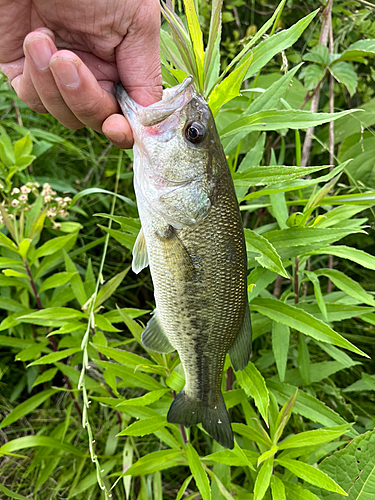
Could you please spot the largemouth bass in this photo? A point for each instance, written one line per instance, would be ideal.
(193, 240)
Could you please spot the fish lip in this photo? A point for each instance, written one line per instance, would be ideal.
(159, 111)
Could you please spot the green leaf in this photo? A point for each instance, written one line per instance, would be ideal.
(35, 441)
(55, 356)
(229, 88)
(253, 431)
(131, 377)
(23, 247)
(353, 468)
(318, 54)
(110, 287)
(147, 399)
(308, 406)
(159, 460)
(280, 347)
(24, 162)
(212, 55)
(126, 358)
(14, 274)
(185, 484)
(347, 285)
(53, 313)
(31, 352)
(103, 323)
(263, 479)
(353, 254)
(318, 293)
(236, 458)
(312, 438)
(125, 239)
(268, 258)
(128, 224)
(196, 37)
(310, 474)
(271, 97)
(199, 474)
(144, 427)
(277, 488)
(7, 243)
(269, 175)
(76, 280)
(45, 376)
(344, 73)
(313, 75)
(281, 119)
(54, 245)
(265, 51)
(357, 51)
(24, 408)
(23, 147)
(10, 494)
(283, 417)
(58, 279)
(254, 385)
(302, 321)
(88, 191)
(296, 492)
(304, 361)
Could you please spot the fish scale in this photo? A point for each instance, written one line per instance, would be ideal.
(193, 236)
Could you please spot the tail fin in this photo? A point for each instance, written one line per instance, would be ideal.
(215, 419)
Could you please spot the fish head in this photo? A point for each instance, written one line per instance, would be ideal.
(176, 147)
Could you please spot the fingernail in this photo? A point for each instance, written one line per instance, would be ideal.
(116, 136)
(66, 71)
(40, 52)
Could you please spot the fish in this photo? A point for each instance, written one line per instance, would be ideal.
(192, 238)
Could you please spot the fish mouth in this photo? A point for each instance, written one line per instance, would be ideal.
(176, 98)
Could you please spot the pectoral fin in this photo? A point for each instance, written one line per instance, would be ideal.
(140, 256)
(177, 258)
(154, 338)
(240, 351)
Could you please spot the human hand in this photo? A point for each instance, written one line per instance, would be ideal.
(103, 41)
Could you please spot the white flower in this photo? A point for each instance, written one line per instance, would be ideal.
(67, 199)
(15, 203)
(23, 197)
(1, 186)
(58, 199)
(11, 216)
(25, 189)
(15, 191)
(47, 198)
(63, 213)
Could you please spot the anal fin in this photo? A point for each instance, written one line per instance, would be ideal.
(140, 256)
(154, 338)
(240, 350)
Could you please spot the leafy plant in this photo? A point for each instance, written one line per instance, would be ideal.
(78, 357)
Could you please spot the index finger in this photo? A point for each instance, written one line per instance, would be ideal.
(138, 55)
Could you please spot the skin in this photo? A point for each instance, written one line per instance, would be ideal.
(63, 56)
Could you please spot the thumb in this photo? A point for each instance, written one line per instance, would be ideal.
(138, 56)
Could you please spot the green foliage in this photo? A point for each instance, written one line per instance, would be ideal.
(70, 339)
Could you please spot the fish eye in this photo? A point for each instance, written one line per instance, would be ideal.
(195, 132)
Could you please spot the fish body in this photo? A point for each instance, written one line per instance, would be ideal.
(193, 241)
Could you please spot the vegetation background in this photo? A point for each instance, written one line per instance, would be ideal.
(82, 404)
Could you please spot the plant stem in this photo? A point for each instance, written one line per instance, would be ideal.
(296, 284)
(331, 135)
(323, 40)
